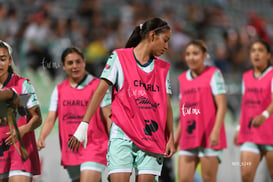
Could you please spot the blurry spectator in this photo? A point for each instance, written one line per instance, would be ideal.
(76, 32)
(36, 39)
(96, 55)
(221, 56)
(12, 24)
(258, 23)
(58, 44)
(3, 13)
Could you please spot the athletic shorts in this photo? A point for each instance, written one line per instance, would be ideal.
(124, 156)
(74, 172)
(15, 173)
(203, 152)
(255, 148)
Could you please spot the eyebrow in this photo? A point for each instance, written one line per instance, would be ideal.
(3, 56)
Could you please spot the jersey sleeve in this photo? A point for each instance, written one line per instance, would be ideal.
(54, 100)
(110, 71)
(27, 88)
(217, 83)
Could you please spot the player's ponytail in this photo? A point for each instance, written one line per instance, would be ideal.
(155, 24)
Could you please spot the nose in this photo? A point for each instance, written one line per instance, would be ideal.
(74, 65)
(166, 47)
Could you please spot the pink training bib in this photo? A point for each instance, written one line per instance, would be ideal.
(11, 159)
(256, 98)
(198, 111)
(140, 107)
(72, 105)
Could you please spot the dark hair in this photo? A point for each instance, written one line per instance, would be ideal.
(154, 24)
(199, 43)
(5, 46)
(70, 50)
(266, 44)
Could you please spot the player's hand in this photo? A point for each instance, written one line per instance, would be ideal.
(258, 121)
(74, 144)
(235, 138)
(170, 149)
(41, 144)
(214, 138)
(12, 138)
(79, 136)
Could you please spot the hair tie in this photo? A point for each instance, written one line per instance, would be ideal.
(140, 26)
(162, 27)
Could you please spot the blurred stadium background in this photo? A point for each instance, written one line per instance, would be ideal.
(39, 30)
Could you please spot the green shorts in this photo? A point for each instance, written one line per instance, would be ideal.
(203, 152)
(255, 148)
(74, 172)
(15, 173)
(124, 156)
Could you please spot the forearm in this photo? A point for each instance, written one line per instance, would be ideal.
(177, 132)
(6, 94)
(35, 119)
(105, 115)
(220, 111)
(169, 124)
(269, 109)
(95, 100)
(48, 124)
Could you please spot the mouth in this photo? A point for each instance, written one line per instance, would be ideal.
(256, 59)
(75, 71)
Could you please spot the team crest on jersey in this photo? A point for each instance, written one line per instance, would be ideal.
(191, 126)
(107, 67)
(150, 127)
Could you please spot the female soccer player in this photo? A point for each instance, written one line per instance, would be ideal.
(13, 165)
(200, 132)
(69, 101)
(142, 129)
(255, 131)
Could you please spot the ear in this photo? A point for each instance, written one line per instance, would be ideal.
(151, 35)
(10, 61)
(206, 55)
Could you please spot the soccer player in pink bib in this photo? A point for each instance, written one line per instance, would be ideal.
(14, 166)
(255, 132)
(200, 132)
(142, 130)
(69, 101)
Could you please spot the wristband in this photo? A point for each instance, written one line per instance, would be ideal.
(14, 96)
(81, 133)
(266, 114)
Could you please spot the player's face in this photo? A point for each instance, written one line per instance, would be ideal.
(74, 66)
(194, 57)
(5, 62)
(160, 43)
(259, 55)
